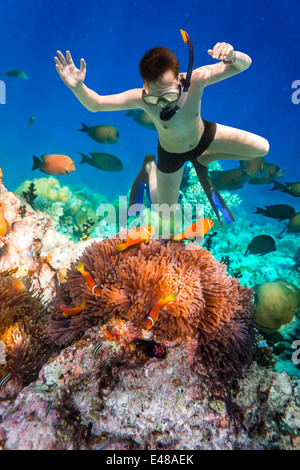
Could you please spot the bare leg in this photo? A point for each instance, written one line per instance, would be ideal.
(151, 170)
(234, 144)
(164, 190)
(164, 187)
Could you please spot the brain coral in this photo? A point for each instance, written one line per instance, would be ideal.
(22, 329)
(276, 304)
(210, 304)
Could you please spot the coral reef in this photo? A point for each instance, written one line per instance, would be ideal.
(210, 304)
(73, 210)
(22, 329)
(34, 246)
(111, 402)
(117, 386)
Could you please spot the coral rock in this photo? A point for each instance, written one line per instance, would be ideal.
(276, 304)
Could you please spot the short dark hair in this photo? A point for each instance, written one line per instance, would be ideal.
(156, 62)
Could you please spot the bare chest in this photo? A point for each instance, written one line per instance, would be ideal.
(183, 131)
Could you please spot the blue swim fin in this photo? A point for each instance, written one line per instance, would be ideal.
(140, 184)
(214, 197)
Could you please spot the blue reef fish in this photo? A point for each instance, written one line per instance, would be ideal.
(103, 161)
(293, 226)
(16, 73)
(103, 134)
(141, 118)
(274, 173)
(31, 120)
(229, 179)
(255, 168)
(290, 188)
(261, 245)
(277, 211)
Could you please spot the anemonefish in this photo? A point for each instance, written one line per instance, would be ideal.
(153, 315)
(197, 229)
(141, 234)
(90, 283)
(69, 312)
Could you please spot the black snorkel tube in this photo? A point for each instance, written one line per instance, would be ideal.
(167, 113)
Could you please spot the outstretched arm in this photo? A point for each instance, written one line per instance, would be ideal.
(74, 79)
(210, 74)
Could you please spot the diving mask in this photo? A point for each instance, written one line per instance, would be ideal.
(168, 97)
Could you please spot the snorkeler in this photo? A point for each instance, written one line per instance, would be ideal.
(172, 100)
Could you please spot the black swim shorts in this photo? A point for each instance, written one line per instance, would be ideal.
(169, 162)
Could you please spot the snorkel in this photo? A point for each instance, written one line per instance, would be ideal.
(167, 113)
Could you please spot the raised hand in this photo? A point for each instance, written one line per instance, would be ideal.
(67, 71)
(222, 51)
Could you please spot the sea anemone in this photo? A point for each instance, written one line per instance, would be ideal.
(22, 329)
(209, 304)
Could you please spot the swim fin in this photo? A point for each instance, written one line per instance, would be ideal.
(140, 184)
(214, 197)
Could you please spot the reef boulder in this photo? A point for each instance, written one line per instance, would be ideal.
(276, 304)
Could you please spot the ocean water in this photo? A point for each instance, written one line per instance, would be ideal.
(112, 37)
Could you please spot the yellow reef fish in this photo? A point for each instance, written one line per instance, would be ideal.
(90, 283)
(141, 234)
(69, 312)
(153, 315)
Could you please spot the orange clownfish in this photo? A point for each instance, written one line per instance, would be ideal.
(90, 283)
(141, 234)
(5, 227)
(197, 229)
(69, 312)
(153, 315)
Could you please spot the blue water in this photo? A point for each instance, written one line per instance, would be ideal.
(112, 37)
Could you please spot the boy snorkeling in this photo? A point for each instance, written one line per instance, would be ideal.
(172, 100)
